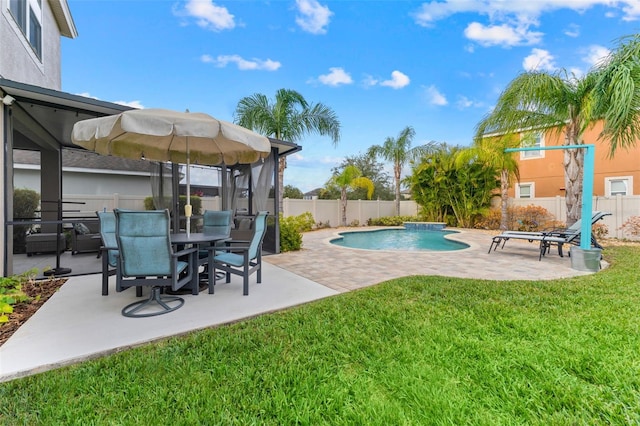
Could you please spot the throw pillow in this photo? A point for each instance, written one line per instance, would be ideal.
(81, 229)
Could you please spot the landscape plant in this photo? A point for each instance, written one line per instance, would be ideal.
(414, 350)
(11, 293)
(25, 204)
(289, 117)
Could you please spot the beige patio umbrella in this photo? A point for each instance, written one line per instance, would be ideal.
(165, 135)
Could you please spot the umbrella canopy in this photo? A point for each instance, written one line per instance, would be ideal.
(164, 135)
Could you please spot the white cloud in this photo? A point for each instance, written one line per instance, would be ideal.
(596, 54)
(336, 77)
(369, 81)
(207, 14)
(510, 21)
(398, 80)
(242, 64)
(539, 60)
(434, 97)
(501, 35)
(314, 17)
(499, 10)
(572, 30)
(464, 103)
(132, 104)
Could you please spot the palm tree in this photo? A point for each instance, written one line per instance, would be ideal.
(288, 117)
(491, 152)
(399, 152)
(618, 89)
(351, 177)
(556, 101)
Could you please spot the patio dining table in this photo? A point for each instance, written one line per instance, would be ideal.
(197, 239)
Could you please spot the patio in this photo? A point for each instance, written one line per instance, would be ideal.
(78, 323)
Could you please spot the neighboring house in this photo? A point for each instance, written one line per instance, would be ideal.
(542, 172)
(86, 173)
(312, 195)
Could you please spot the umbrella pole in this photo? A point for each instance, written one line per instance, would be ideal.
(187, 207)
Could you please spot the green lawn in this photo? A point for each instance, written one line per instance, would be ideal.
(412, 351)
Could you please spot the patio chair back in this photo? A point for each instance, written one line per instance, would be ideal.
(260, 227)
(108, 234)
(216, 221)
(144, 242)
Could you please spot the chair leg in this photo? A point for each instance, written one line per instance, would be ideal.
(154, 299)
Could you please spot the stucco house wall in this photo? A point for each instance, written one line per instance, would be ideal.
(19, 62)
(547, 172)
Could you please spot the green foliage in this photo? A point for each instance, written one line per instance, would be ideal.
(371, 169)
(11, 293)
(391, 220)
(290, 235)
(25, 204)
(291, 191)
(451, 191)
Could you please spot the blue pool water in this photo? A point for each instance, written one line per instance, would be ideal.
(399, 239)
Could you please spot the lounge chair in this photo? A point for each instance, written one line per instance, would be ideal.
(557, 236)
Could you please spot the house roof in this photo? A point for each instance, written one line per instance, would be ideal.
(72, 158)
(62, 15)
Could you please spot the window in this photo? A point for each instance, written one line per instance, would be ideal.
(619, 185)
(532, 140)
(525, 190)
(28, 16)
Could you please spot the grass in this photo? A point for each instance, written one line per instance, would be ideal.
(416, 350)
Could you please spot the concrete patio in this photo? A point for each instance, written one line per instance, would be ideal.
(77, 323)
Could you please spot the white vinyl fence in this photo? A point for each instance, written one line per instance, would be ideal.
(620, 207)
(359, 211)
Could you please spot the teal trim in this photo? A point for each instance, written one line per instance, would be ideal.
(587, 185)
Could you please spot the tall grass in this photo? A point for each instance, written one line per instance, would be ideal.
(416, 350)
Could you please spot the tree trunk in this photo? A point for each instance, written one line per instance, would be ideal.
(504, 198)
(343, 206)
(282, 164)
(573, 172)
(397, 170)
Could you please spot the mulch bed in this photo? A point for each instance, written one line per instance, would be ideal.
(23, 311)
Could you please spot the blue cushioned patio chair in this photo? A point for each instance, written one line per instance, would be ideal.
(109, 250)
(239, 257)
(145, 258)
(214, 222)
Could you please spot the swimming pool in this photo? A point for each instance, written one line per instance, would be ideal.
(399, 239)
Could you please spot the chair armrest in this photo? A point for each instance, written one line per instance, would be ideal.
(185, 252)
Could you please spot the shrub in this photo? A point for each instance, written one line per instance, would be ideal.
(25, 204)
(11, 292)
(290, 235)
(391, 220)
(528, 218)
(631, 226)
(599, 230)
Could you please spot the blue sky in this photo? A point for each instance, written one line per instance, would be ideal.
(438, 66)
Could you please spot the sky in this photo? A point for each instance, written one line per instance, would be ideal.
(438, 66)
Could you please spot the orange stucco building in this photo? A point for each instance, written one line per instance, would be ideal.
(542, 173)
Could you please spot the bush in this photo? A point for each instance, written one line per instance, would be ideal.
(528, 218)
(25, 204)
(631, 226)
(391, 220)
(290, 235)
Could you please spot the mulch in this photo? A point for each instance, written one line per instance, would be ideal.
(39, 292)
